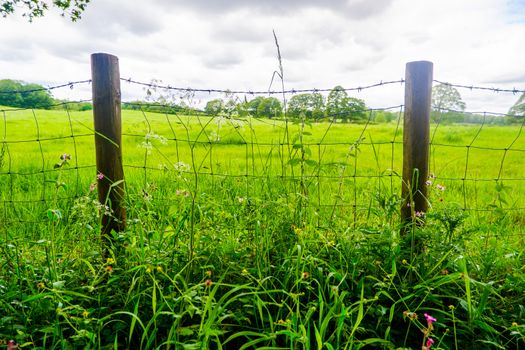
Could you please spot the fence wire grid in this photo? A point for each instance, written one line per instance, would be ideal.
(328, 170)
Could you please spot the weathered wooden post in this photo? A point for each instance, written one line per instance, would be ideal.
(416, 133)
(108, 134)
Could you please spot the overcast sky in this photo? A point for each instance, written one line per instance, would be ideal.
(228, 44)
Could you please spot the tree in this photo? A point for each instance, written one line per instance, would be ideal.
(356, 109)
(37, 8)
(19, 94)
(447, 105)
(336, 103)
(517, 111)
(519, 107)
(214, 107)
(446, 97)
(340, 106)
(311, 105)
(269, 107)
(253, 105)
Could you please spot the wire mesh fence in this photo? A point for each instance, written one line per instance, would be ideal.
(321, 171)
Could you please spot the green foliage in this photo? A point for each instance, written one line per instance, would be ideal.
(37, 8)
(384, 116)
(340, 106)
(269, 107)
(214, 107)
(311, 105)
(223, 251)
(519, 107)
(446, 102)
(19, 94)
(146, 107)
(517, 111)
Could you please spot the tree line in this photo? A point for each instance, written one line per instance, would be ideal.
(447, 105)
(313, 106)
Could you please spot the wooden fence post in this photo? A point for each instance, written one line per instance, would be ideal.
(416, 133)
(108, 134)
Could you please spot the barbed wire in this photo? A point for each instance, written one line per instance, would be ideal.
(473, 87)
(71, 85)
(257, 92)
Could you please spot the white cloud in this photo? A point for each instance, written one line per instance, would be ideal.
(229, 44)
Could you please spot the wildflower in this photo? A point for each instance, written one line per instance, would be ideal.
(244, 272)
(92, 187)
(65, 157)
(182, 193)
(440, 187)
(208, 283)
(110, 261)
(430, 321)
(429, 343)
(428, 183)
(85, 313)
(411, 315)
(109, 269)
(241, 199)
(148, 269)
(420, 214)
(284, 322)
(514, 324)
(305, 275)
(100, 176)
(181, 167)
(40, 285)
(297, 230)
(159, 268)
(209, 273)
(404, 262)
(444, 272)
(11, 345)
(451, 307)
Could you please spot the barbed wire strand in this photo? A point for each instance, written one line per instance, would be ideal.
(70, 85)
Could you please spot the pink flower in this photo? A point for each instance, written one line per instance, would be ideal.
(430, 320)
(429, 343)
(11, 345)
(100, 176)
(92, 187)
(182, 193)
(65, 156)
(420, 214)
(440, 187)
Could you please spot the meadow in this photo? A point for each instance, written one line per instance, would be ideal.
(259, 234)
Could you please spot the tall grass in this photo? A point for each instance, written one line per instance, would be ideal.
(226, 250)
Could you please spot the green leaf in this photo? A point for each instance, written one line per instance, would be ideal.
(59, 284)
(185, 331)
(311, 162)
(294, 161)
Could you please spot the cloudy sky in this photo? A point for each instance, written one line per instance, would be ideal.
(228, 44)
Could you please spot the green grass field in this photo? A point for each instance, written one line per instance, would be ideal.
(248, 234)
